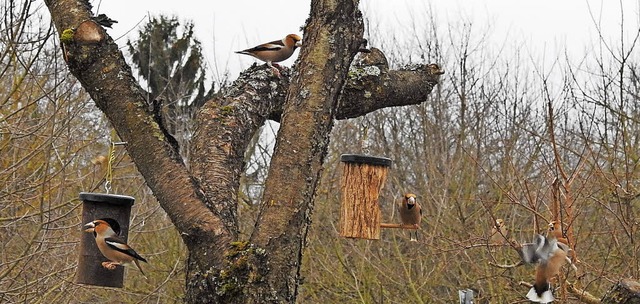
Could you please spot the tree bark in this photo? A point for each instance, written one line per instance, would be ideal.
(332, 37)
(202, 200)
(626, 291)
(360, 187)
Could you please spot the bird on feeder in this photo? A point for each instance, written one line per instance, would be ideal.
(275, 51)
(112, 246)
(550, 257)
(499, 233)
(410, 213)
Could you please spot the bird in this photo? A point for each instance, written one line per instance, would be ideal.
(555, 229)
(104, 20)
(410, 213)
(499, 233)
(275, 51)
(106, 231)
(549, 258)
(434, 69)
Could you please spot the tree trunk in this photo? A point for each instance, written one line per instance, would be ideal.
(332, 37)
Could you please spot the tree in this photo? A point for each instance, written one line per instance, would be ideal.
(173, 68)
(202, 202)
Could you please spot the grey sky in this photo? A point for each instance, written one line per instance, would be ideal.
(544, 26)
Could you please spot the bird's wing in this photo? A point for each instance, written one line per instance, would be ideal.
(528, 253)
(269, 46)
(118, 244)
(546, 248)
(540, 250)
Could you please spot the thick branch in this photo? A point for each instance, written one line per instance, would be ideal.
(372, 86)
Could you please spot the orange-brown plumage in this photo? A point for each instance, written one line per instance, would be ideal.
(499, 233)
(274, 51)
(550, 258)
(112, 246)
(410, 212)
(555, 229)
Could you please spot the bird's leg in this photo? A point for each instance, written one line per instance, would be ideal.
(276, 70)
(110, 265)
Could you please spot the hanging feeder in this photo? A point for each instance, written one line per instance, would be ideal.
(362, 179)
(99, 206)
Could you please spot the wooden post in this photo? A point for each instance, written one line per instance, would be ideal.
(362, 179)
(96, 206)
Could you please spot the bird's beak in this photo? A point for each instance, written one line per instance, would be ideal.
(90, 227)
(299, 44)
(412, 200)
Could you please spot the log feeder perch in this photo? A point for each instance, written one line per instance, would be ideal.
(362, 179)
(97, 206)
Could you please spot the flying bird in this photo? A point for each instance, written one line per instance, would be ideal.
(499, 233)
(410, 213)
(555, 229)
(549, 258)
(112, 246)
(275, 51)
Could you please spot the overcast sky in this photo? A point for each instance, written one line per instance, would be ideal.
(225, 26)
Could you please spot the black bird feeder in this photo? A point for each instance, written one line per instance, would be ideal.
(362, 180)
(99, 206)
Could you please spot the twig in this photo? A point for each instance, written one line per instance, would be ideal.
(387, 225)
(582, 295)
(507, 266)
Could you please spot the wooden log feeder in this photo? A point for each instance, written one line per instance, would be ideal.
(99, 206)
(362, 179)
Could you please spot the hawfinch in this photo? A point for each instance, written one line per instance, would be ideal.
(410, 213)
(112, 246)
(499, 233)
(274, 51)
(555, 229)
(545, 252)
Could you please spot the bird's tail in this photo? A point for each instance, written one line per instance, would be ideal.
(413, 236)
(140, 268)
(545, 297)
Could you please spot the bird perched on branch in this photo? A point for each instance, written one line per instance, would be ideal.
(275, 51)
(410, 213)
(112, 246)
(545, 252)
(499, 233)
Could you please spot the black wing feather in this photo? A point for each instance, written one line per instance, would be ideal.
(265, 47)
(128, 251)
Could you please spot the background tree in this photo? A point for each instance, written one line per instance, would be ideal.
(169, 59)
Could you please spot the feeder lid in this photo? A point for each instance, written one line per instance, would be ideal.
(365, 159)
(107, 198)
